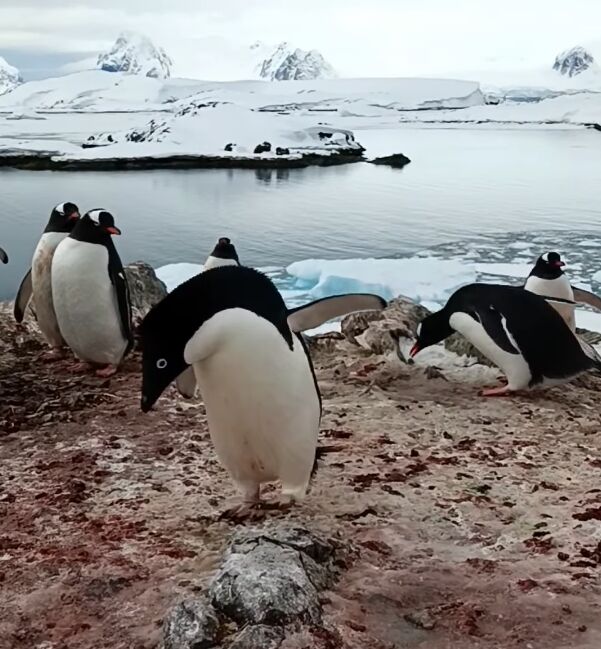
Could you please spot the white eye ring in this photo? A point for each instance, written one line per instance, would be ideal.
(162, 363)
(418, 330)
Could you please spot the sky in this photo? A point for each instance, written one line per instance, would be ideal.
(358, 37)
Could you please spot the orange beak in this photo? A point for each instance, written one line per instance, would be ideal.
(414, 350)
(113, 230)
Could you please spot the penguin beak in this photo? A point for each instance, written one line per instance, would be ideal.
(146, 404)
(111, 229)
(559, 264)
(414, 350)
(74, 216)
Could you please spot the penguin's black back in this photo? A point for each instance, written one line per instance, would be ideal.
(545, 341)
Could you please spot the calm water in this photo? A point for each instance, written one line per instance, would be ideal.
(463, 185)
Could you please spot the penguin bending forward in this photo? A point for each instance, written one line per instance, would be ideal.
(517, 330)
(37, 281)
(91, 295)
(224, 254)
(3, 256)
(253, 369)
(548, 279)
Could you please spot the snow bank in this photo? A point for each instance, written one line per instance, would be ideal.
(172, 275)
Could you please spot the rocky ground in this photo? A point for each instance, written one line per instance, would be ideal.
(465, 522)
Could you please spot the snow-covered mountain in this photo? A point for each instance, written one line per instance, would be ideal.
(136, 54)
(288, 63)
(10, 77)
(573, 61)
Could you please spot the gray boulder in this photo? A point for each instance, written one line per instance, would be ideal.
(192, 624)
(270, 576)
(145, 288)
(379, 331)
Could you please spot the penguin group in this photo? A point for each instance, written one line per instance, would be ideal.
(228, 334)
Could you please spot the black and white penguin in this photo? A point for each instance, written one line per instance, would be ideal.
(91, 295)
(548, 279)
(517, 330)
(37, 281)
(224, 254)
(3, 256)
(252, 367)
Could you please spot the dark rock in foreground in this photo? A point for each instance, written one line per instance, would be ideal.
(396, 160)
(269, 577)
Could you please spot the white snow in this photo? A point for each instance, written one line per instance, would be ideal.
(574, 61)
(135, 53)
(10, 77)
(172, 275)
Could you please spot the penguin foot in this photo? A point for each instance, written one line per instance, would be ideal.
(54, 354)
(243, 512)
(501, 391)
(107, 371)
(81, 366)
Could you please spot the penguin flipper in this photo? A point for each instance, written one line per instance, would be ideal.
(3, 256)
(23, 296)
(586, 297)
(186, 383)
(492, 322)
(119, 281)
(316, 313)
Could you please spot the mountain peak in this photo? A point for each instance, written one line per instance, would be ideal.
(10, 77)
(288, 63)
(573, 61)
(135, 53)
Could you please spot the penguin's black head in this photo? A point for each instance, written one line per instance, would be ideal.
(63, 218)
(432, 330)
(548, 266)
(96, 226)
(224, 249)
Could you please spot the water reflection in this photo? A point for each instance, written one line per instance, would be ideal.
(266, 176)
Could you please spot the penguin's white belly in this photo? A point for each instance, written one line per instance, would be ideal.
(85, 302)
(514, 366)
(559, 287)
(261, 401)
(41, 282)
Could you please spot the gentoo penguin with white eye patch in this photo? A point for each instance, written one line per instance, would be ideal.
(517, 330)
(548, 279)
(223, 254)
(253, 369)
(3, 256)
(37, 281)
(91, 295)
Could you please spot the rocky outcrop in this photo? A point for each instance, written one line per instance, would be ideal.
(145, 290)
(294, 64)
(573, 61)
(379, 331)
(136, 54)
(270, 577)
(396, 160)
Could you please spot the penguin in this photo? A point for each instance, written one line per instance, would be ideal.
(91, 294)
(517, 330)
(253, 369)
(3, 256)
(37, 281)
(223, 254)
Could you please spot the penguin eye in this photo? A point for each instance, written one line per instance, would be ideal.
(162, 363)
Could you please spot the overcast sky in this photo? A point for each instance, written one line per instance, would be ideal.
(359, 37)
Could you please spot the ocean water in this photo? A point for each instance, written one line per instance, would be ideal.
(472, 204)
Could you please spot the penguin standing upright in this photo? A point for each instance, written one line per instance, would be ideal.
(548, 279)
(3, 256)
(37, 281)
(253, 369)
(224, 254)
(91, 295)
(517, 330)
